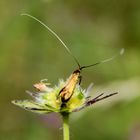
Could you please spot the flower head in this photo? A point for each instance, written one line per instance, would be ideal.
(47, 100)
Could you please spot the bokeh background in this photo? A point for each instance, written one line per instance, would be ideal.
(93, 30)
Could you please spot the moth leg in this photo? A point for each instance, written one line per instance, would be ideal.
(80, 79)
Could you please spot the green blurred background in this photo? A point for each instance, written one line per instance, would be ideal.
(93, 30)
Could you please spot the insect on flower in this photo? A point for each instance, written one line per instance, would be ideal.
(67, 96)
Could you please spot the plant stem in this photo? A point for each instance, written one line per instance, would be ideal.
(65, 126)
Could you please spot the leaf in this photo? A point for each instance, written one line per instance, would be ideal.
(32, 106)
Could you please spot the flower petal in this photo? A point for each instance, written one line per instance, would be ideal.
(33, 94)
(89, 89)
(94, 100)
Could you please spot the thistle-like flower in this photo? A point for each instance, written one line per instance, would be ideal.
(64, 98)
(47, 99)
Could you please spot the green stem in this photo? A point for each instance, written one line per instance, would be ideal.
(65, 126)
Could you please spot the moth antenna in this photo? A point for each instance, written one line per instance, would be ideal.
(49, 29)
(104, 61)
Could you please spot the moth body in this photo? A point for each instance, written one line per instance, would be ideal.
(67, 91)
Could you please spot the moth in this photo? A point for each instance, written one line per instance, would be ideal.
(65, 93)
